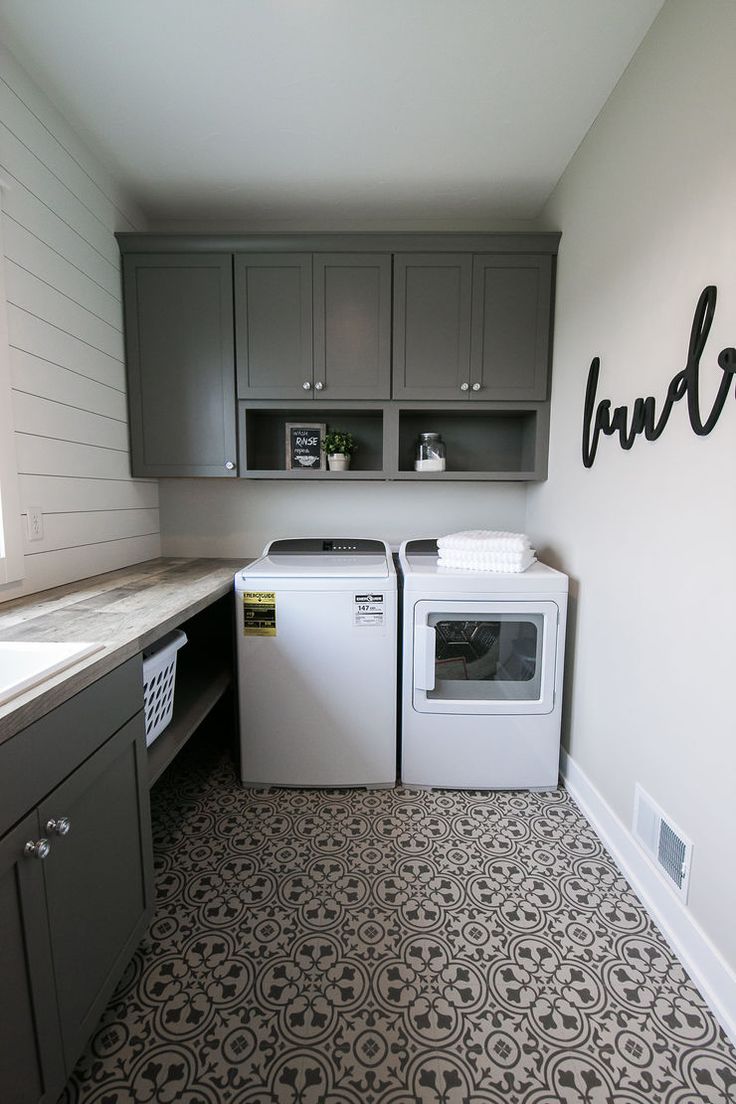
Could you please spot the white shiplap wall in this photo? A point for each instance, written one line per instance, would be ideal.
(62, 272)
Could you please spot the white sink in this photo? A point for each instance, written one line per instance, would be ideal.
(23, 665)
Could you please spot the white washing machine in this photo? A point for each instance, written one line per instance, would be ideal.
(481, 674)
(317, 670)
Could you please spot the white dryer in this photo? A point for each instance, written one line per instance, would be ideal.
(482, 674)
(317, 670)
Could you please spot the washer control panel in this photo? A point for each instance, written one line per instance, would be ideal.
(329, 546)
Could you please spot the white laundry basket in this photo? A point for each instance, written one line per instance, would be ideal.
(159, 676)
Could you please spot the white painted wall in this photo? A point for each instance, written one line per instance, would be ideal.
(648, 218)
(224, 517)
(61, 210)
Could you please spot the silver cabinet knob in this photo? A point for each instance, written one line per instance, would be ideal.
(476, 387)
(319, 385)
(464, 386)
(306, 386)
(59, 826)
(229, 465)
(37, 850)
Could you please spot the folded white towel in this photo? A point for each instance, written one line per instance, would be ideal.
(484, 540)
(484, 554)
(510, 563)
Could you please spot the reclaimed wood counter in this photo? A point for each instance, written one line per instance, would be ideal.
(124, 610)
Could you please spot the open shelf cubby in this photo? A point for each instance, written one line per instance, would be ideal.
(479, 443)
(263, 440)
(488, 441)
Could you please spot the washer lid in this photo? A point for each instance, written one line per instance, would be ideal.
(327, 565)
(323, 558)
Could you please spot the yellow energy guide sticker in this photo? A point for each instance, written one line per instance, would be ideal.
(259, 613)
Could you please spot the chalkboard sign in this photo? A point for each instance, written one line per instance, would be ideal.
(303, 450)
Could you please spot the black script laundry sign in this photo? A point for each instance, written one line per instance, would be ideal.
(599, 418)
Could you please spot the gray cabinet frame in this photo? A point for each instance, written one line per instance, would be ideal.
(480, 348)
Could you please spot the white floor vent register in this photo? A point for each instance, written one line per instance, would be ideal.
(665, 844)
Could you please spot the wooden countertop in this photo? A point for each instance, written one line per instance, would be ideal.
(124, 610)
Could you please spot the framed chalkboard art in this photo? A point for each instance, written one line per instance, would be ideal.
(303, 449)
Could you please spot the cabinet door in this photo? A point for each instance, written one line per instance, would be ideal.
(273, 323)
(511, 327)
(432, 295)
(31, 1064)
(352, 325)
(98, 879)
(181, 365)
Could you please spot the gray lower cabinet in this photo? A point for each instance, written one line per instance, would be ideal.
(97, 887)
(75, 880)
(510, 342)
(352, 326)
(31, 1060)
(181, 364)
(432, 298)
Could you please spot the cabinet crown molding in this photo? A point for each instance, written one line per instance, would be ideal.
(366, 241)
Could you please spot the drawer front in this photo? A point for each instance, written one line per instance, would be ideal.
(39, 757)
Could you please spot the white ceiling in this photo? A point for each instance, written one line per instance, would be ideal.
(465, 110)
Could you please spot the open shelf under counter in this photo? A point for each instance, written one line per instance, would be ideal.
(204, 674)
(199, 687)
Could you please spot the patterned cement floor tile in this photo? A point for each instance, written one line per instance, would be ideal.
(394, 947)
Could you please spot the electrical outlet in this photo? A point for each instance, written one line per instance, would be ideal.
(35, 523)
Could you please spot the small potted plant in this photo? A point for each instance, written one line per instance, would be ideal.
(338, 447)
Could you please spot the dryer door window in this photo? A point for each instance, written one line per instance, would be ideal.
(485, 657)
(493, 656)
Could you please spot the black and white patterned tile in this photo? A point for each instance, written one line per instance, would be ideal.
(394, 947)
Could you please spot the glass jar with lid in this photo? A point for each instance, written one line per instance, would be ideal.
(431, 454)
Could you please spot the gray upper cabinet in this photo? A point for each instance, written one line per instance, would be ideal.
(339, 324)
(273, 319)
(313, 326)
(181, 366)
(432, 303)
(352, 326)
(511, 327)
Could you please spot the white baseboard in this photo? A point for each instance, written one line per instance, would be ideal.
(711, 973)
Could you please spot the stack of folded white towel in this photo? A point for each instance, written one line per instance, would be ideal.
(486, 550)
